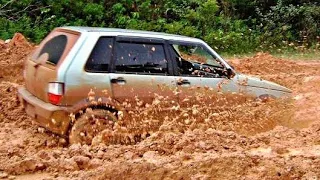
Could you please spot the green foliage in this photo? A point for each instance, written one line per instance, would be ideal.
(290, 23)
(234, 26)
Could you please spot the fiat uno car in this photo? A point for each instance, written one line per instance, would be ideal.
(125, 64)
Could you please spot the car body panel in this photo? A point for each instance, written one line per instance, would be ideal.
(223, 85)
(55, 118)
(257, 87)
(142, 89)
(187, 87)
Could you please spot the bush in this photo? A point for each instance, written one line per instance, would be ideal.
(298, 24)
(234, 26)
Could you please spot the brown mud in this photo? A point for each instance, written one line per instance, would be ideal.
(275, 140)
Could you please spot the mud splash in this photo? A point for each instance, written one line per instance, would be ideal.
(12, 56)
(301, 76)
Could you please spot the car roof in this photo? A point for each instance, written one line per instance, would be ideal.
(132, 32)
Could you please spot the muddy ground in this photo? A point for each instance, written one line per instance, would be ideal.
(273, 141)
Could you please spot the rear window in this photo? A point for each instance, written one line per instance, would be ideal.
(55, 48)
(57, 45)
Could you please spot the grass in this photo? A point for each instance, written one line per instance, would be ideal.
(295, 55)
(307, 55)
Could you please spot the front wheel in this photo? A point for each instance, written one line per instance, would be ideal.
(90, 124)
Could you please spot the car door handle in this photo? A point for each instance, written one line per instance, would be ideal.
(183, 82)
(119, 80)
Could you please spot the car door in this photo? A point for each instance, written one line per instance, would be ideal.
(90, 70)
(188, 83)
(141, 71)
(199, 74)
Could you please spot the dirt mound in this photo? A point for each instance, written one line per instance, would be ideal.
(10, 109)
(12, 57)
(274, 140)
(19, 40)
(2, 44)
(285, 72)
(264, 63)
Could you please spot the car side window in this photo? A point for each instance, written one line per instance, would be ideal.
(100, 56)
(194, 60)
(140, 58)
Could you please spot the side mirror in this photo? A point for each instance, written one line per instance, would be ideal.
(230, 73)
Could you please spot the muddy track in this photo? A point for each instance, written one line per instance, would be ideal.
(272, 141)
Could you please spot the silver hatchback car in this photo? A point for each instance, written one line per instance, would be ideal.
(124, 64)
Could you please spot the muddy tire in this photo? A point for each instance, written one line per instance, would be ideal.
(90, 124)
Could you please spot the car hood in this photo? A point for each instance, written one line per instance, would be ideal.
(246, 80)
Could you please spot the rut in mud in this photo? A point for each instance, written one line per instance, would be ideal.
(269, 140)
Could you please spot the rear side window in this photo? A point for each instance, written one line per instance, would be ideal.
(141, 58)
(57, 45)
(100, 56)
(55, 48)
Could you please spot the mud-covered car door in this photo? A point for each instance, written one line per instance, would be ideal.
(200, 74)
(89, 72)
(141, 71)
